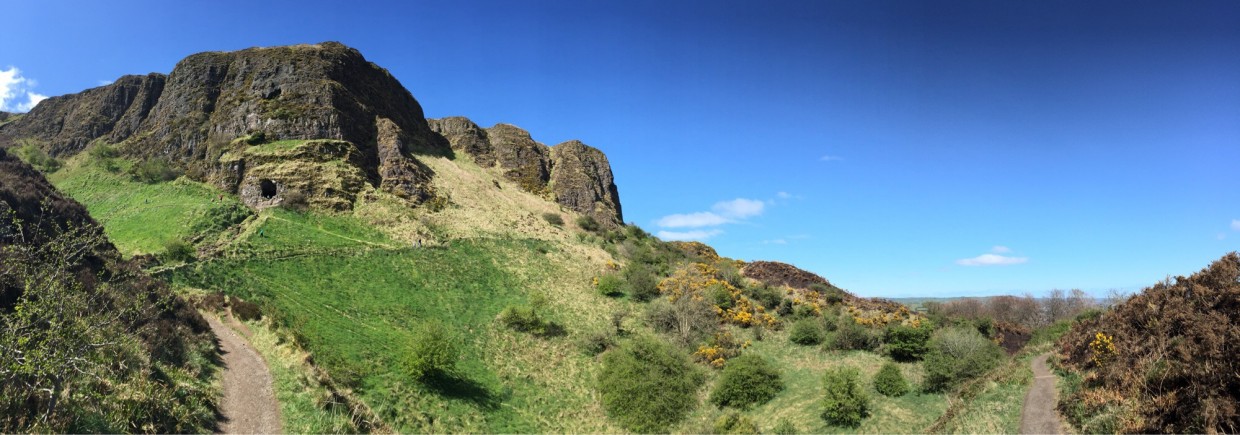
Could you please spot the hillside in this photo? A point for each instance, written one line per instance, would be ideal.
(79, 323)
(418, 275)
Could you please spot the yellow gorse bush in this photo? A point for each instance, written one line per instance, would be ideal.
(723, 346)
(1103, 348)
(695, 279)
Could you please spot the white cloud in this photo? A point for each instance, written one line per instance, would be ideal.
(1235, 224)
(775, 242)
(830, 158)
(105, 82)
(991, 260)
(14, 89)
(698, 235)
(692, 220)
(32, 99)
(723, 212)
(1221, 236)
(783, 195)
(739, 208)
(1000, 249)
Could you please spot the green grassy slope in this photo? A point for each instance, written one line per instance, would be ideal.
(139, 218)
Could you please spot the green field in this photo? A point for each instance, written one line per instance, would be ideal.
(139, 218)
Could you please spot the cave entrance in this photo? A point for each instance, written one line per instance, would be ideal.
(267, 189)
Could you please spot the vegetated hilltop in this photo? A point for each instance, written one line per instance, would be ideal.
(90, 344)
(220, 116)
(264, 175)
(1164, 361)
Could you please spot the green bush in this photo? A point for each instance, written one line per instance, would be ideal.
(245, 310)
(610, 285)
(769, 297)
(844, 403)
(832, 295)
(889, 381)
(34, 156)
(641, 282)
(155, 170)
(746, 381)
(906, 343)
(433, 352)
(589, 224)
(849, 335)
(785, 427)
(553, 219)
(219, 218)
(720, 296)
(526, 318)
(806, 332)
(957, 354)
(734, 423)
(647, 386)
(176, 250)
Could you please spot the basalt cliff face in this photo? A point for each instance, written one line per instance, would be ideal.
(572, 173)
(206, 115)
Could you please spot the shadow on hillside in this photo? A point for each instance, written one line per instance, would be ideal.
(461, 388)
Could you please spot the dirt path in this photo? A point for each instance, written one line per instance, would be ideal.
(1039, 416)
(249, 404)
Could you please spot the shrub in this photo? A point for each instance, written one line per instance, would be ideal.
(769, 297)
(433, 352)
(851, 336)
(889, 381)
(646, 386)
(295, 200)
(688, 321)
(155, 170)
(957, 354)
(245, 310)
(177, 250)
(641, 283)
(734, 423)
(610, 285)
(784, 427)
(33, 155)
(553, 219)
(806, 332)
(844, 404)
(219, 218)
(596, 342)
(720, 296)
(747, 380)
(906, 343)
(588, 223)
(525, 318)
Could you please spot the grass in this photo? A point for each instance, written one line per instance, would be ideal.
(354, 313)
(139, 218)
(802, 368)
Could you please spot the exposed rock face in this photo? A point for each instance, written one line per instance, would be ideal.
(572, 173)
(193, 115)
(325, 173)
(67, 123)
(581, 179)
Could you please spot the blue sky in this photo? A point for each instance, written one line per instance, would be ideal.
(897, 148)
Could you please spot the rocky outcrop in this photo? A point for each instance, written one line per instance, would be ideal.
(195, 114)
(581, 180)
(67, 123)
(322, 173)
(573, 174)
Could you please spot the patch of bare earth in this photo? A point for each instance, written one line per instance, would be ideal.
(249, 404)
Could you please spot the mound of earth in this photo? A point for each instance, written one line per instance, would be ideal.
(775, 273)
(1167, 356)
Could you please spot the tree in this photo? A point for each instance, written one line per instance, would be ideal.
(844, 403)
(647, 386)
(906, 343)
(747, 380)
(957, 354)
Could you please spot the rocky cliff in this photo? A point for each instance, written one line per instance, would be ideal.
(213, 107)
(196, 114)
(572, 173)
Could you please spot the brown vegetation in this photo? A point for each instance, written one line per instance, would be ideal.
(1165, 360)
